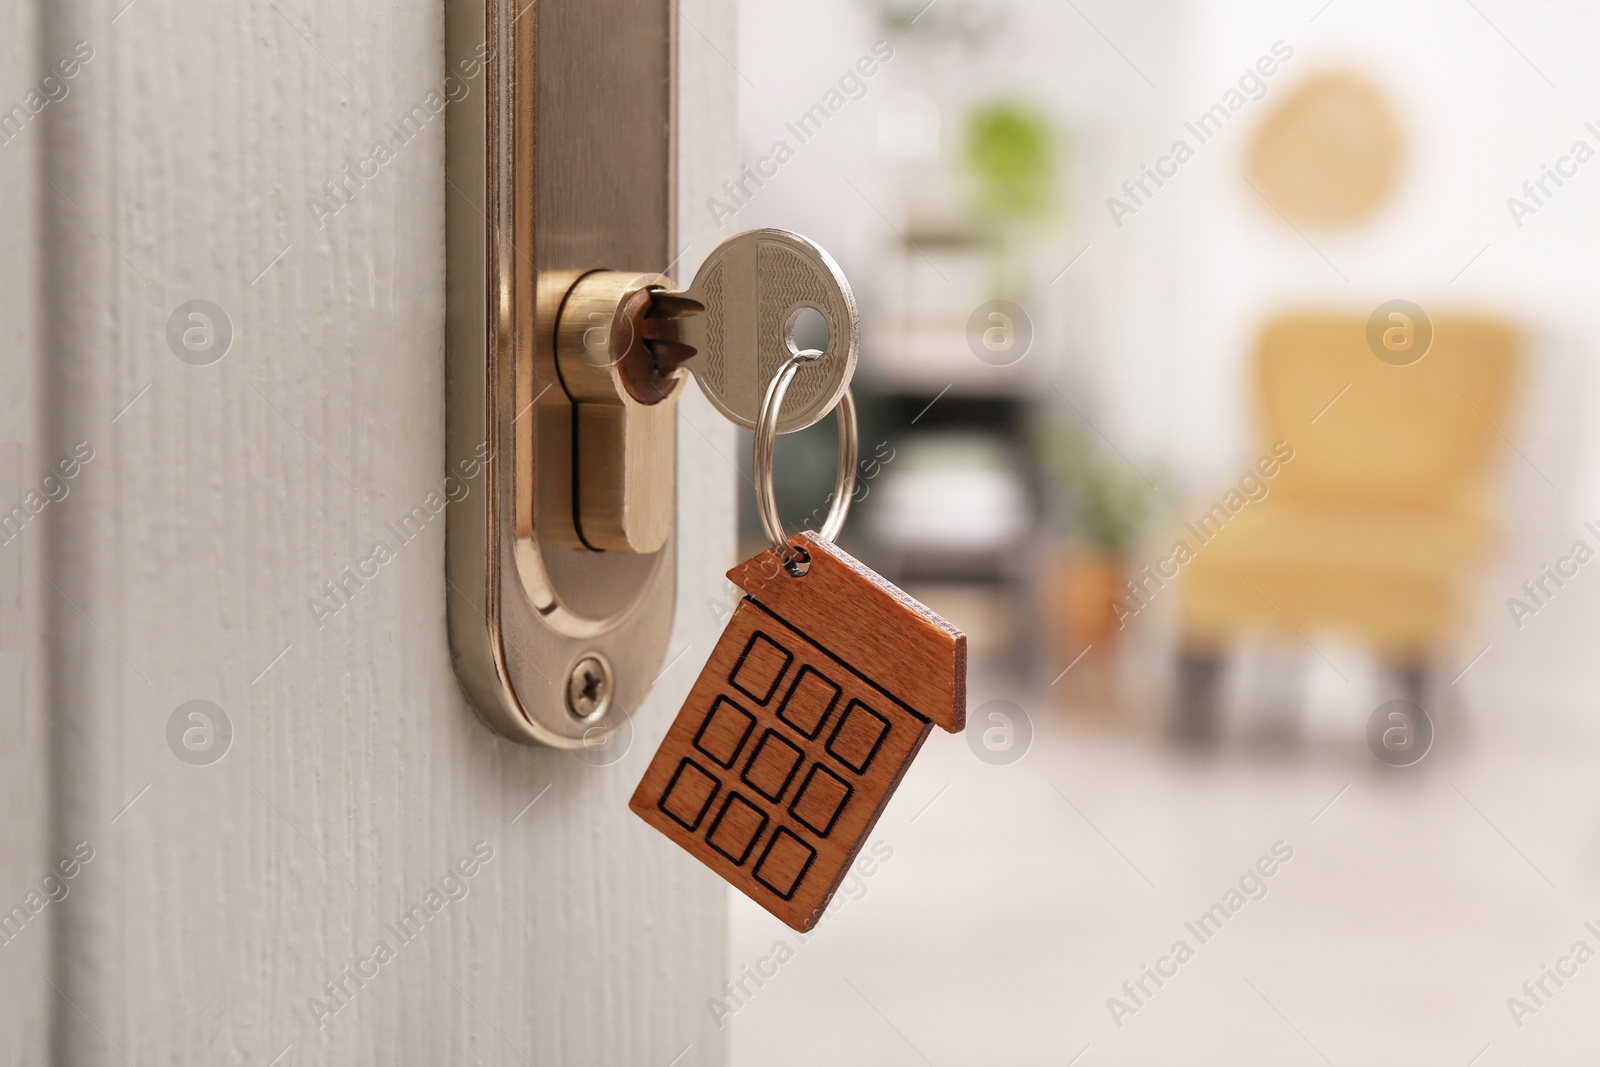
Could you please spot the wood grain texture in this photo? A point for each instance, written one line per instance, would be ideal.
(783, 757)
(869, 622)
(25, 995)
(224, 898)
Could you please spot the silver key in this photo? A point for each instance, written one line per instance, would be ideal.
(733, 327)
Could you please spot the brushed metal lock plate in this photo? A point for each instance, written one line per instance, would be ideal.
(559, 161)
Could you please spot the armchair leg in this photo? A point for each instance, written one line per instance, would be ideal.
(1424, 680)
(1195, 713)
(1411, 676)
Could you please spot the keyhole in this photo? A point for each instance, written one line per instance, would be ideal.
(807, 331)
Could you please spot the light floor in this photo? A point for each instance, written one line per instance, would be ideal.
(1020, 898)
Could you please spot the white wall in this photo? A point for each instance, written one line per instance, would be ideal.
(1477, 120)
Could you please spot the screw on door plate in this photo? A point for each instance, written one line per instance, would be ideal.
(589, 688)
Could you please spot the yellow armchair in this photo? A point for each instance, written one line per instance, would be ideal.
(1377, 525)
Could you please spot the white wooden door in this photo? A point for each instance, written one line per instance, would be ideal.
(368, 875)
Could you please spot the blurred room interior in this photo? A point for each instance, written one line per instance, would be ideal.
(1227, 377)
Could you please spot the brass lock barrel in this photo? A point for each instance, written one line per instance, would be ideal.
(625, 412)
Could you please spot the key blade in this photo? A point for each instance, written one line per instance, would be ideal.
(667, 329)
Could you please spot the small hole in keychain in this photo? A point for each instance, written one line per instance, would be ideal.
(796, 560)
(798, 564)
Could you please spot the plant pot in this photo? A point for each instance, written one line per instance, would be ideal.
(1088, 585)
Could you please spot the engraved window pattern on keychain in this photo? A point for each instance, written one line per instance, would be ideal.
(796, 764)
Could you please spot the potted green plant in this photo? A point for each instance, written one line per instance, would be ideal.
(1009, 151)
(1101, 506)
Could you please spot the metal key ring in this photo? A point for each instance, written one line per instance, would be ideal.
(844, 481)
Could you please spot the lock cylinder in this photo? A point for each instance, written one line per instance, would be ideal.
(625, 413)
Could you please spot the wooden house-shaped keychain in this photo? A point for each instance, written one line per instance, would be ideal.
(808, 713)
